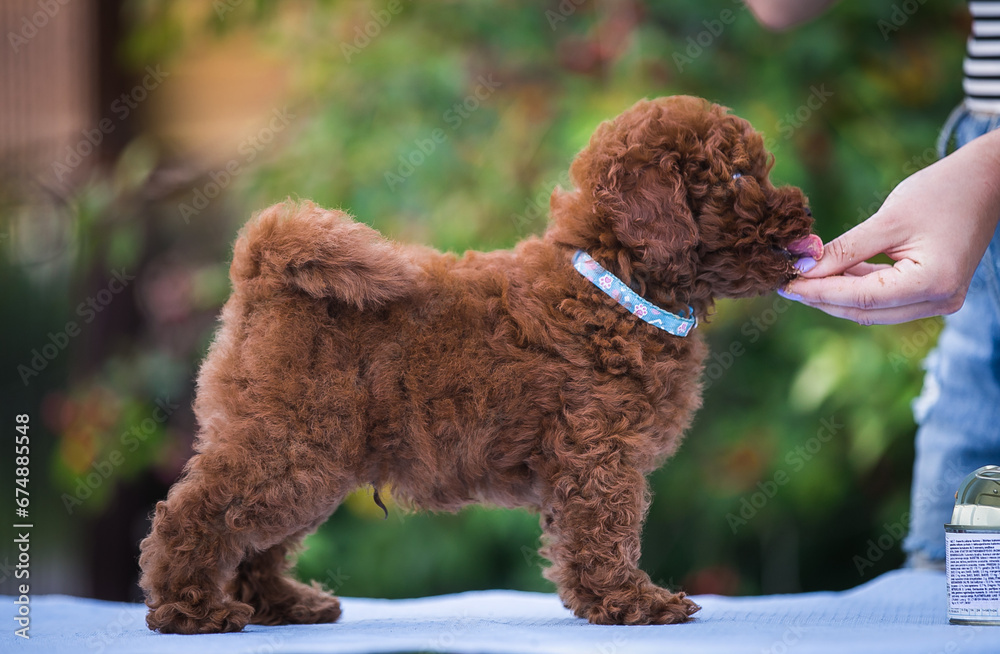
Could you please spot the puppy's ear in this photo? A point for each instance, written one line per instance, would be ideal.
(648, 211)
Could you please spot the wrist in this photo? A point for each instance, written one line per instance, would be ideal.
(981, 160)
(988, 147)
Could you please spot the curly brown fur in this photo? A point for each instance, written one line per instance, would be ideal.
(505, 377)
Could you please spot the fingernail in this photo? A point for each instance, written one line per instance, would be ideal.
(788, 295)
(805, 264)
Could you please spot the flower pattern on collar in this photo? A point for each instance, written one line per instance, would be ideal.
(636, 305)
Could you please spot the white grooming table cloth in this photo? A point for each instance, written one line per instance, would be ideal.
(902, 611)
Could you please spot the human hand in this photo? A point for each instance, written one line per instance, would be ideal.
(935, 226)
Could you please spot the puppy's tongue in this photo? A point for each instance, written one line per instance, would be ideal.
(810, 246)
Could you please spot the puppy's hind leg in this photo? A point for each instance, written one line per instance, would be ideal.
(187, 560)
(234, 511)
(263, 582)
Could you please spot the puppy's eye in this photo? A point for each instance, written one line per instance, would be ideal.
(737, 175)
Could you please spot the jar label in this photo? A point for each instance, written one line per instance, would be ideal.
(972, 561)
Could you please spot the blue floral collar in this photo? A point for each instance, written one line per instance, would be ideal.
(625, 296)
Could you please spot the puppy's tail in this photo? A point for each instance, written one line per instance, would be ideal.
(322, 253)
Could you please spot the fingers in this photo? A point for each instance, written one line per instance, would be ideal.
(890, 316)
(876, 294)
(866, 268)
(851, 248)
(880, 288)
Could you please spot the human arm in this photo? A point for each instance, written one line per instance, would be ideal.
(935, 226)
(783, 14)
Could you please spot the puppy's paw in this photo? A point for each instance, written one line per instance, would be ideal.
(670, 608)
(302, 605)
(186, 618)
(319, 611)
(650, 605)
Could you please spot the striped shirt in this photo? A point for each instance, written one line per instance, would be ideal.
(982, 58)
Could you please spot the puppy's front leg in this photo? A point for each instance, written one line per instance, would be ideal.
(591, 532)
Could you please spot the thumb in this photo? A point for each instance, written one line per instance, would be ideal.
(854, 246)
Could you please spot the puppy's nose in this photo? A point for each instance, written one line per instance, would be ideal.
(809, 212)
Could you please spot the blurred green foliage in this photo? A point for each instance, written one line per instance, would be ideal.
(803, 449)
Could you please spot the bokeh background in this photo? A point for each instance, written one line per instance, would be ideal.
(136, 136)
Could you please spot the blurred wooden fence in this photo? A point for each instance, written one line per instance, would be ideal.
(49, 83)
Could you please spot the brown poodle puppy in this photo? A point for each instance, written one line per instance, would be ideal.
(344, 360)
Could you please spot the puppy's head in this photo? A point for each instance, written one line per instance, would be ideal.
(675, 193)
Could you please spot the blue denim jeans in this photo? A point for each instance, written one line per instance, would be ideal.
(958, 411)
